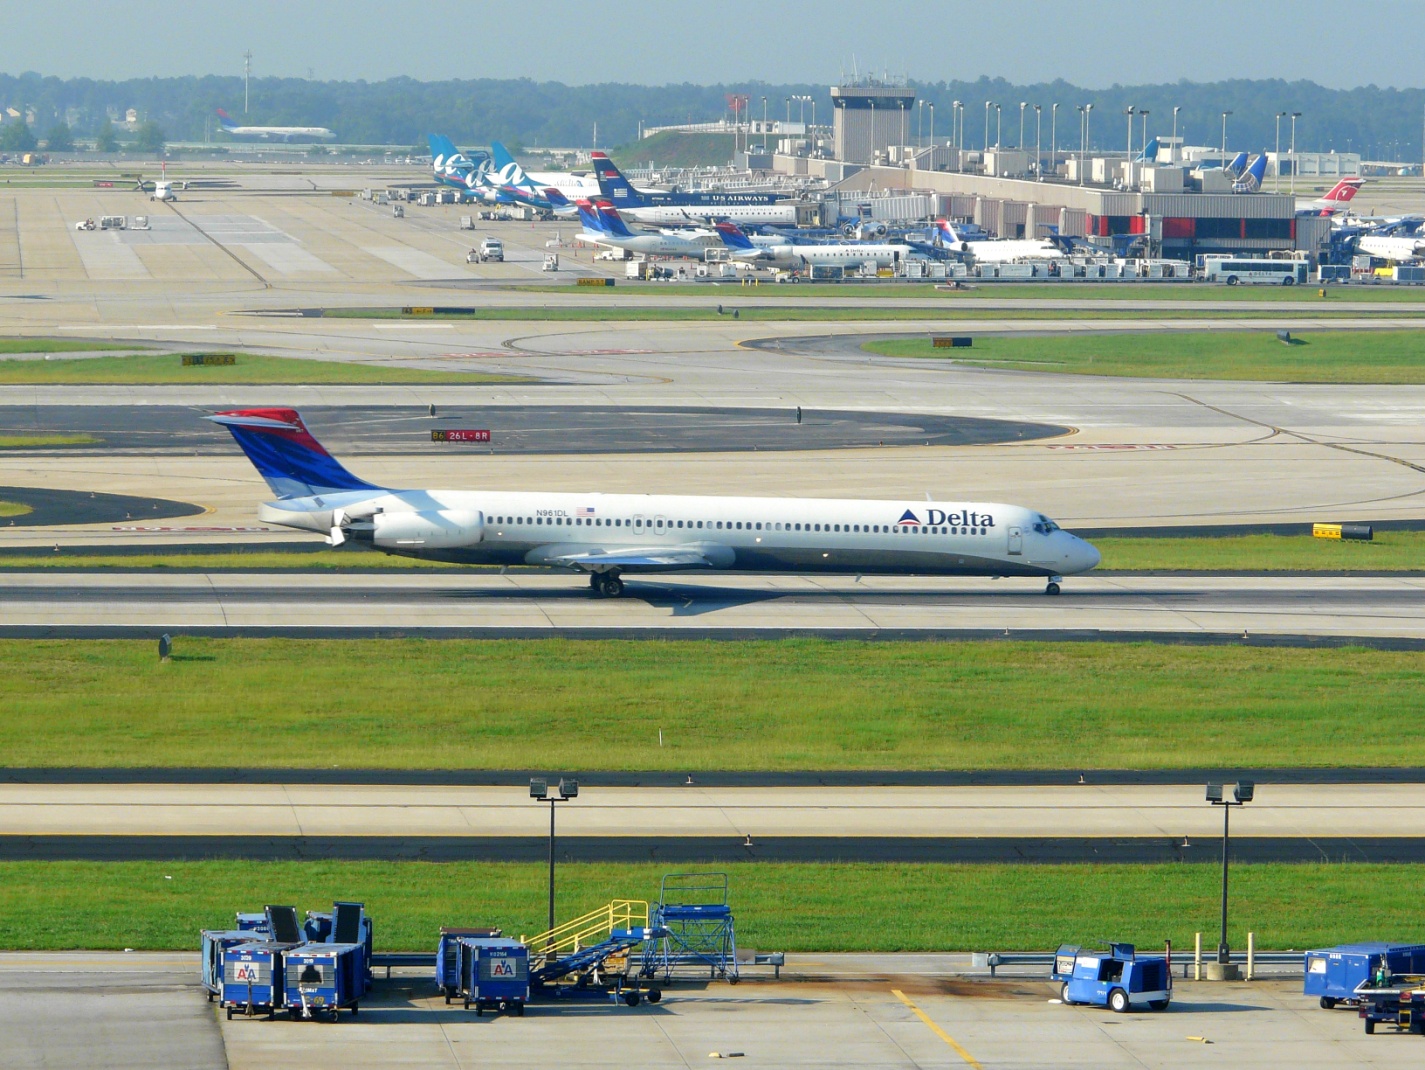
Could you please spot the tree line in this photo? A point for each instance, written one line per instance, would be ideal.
(1381, 123)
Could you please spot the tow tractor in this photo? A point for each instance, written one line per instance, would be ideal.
(1119, 978)
(1393, 999)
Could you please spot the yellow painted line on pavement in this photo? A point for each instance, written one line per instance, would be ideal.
(970, 1059)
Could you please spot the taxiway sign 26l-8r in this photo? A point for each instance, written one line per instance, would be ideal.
(607, 535)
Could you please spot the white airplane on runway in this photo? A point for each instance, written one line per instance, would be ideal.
(606, 535)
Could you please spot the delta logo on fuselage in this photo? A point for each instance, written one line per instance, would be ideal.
(936, 517)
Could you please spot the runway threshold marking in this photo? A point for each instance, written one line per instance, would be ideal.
(955, 1046)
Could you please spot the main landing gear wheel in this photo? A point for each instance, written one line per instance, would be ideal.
(1053, 586)
(606, 584)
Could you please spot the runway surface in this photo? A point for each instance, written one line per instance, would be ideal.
(295, 809)
(693, 823)
(487, 603)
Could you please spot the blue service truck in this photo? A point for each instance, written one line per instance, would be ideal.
(1118, 978)
(494, 974)
(1334, 973)
(1392, 999)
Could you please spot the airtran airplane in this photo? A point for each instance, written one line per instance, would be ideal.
(607, 535)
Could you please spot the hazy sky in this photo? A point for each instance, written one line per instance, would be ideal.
(1093, 43)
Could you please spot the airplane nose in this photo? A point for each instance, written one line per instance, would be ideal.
(1085, 555)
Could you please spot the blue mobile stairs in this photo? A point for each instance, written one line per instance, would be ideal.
(696, 929)
(592, 955)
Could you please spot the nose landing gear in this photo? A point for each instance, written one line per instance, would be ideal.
(1052, 587)
(606, 584)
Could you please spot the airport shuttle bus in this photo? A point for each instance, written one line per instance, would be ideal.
(1241, 270)
(607, 535)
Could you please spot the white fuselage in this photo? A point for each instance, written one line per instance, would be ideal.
(694, 246)
(1392, 248)
(998, 252)
(792, 255)
(286, 133)
(659, 533)
(742, 214)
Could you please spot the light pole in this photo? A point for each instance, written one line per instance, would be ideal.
(1082, 138)
(539, 789)
(999, 126)
(1277, 179)
(1173, 152)
(1054, 138)
(902, 104)
(1088, 115)
(1242, 793)
(1224, 139)
(789, 111)
(1294, 117)
(764, 120)
(988, 105)
(920, 124)
(1143, 141)
(1038, 160)
(1128, 171)
(1022, 106)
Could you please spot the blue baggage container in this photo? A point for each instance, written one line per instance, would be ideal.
(494, 973)
(252, 977)
(447, 957)
(345, 923)
(1118, 978)
(214, 943)
(251, 922)
(320, 979)
(1334, 973)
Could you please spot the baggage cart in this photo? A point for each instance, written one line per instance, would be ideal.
(321, 979)
(1333, 974)
(447, 957)
(252, 978)
(494, 974)
(215, 942)
(1396, 1000)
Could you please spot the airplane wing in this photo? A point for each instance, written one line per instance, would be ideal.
(656, 559)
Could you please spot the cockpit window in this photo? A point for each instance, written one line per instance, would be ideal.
(1045, 526)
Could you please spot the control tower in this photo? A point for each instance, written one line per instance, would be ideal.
(869, 118)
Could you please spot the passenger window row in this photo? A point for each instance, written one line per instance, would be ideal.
(746, 525)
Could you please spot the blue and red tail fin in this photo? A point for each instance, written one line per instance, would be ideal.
(732, 236)
(589, 216)
(612, 221)
(286, 455)
(557, 201)
(612, 184)
(225, 120)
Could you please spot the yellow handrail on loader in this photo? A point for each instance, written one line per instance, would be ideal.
(591, 928)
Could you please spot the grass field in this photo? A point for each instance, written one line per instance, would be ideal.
(1396, 551)
(790, 704)
(1389, 550)
(11, 509)
(43, 441)
(809, 313)
(60, 345)
(783, 907)
(1314, 357)
(250, 368)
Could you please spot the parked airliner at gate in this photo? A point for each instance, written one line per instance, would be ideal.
(607, 535)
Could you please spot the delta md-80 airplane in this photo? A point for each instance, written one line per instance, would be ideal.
(607, 535)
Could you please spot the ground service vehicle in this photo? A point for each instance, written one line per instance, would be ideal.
(1118, 978)
(1241, 270)
(492, 249)
(1393, 999)
(1333, 974)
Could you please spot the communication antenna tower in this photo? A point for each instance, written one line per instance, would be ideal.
(246, 74)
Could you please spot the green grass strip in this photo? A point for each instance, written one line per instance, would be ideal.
(15, 509)
(779, 705)
(1394, 551)
(1313, 357)
(249, 369)
(781, 907)
(27, 442)
(61, 345)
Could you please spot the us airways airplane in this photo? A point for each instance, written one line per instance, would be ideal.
(603, 226)
(781, 252)
(279, 133)
(607, 535)
(997, 250)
